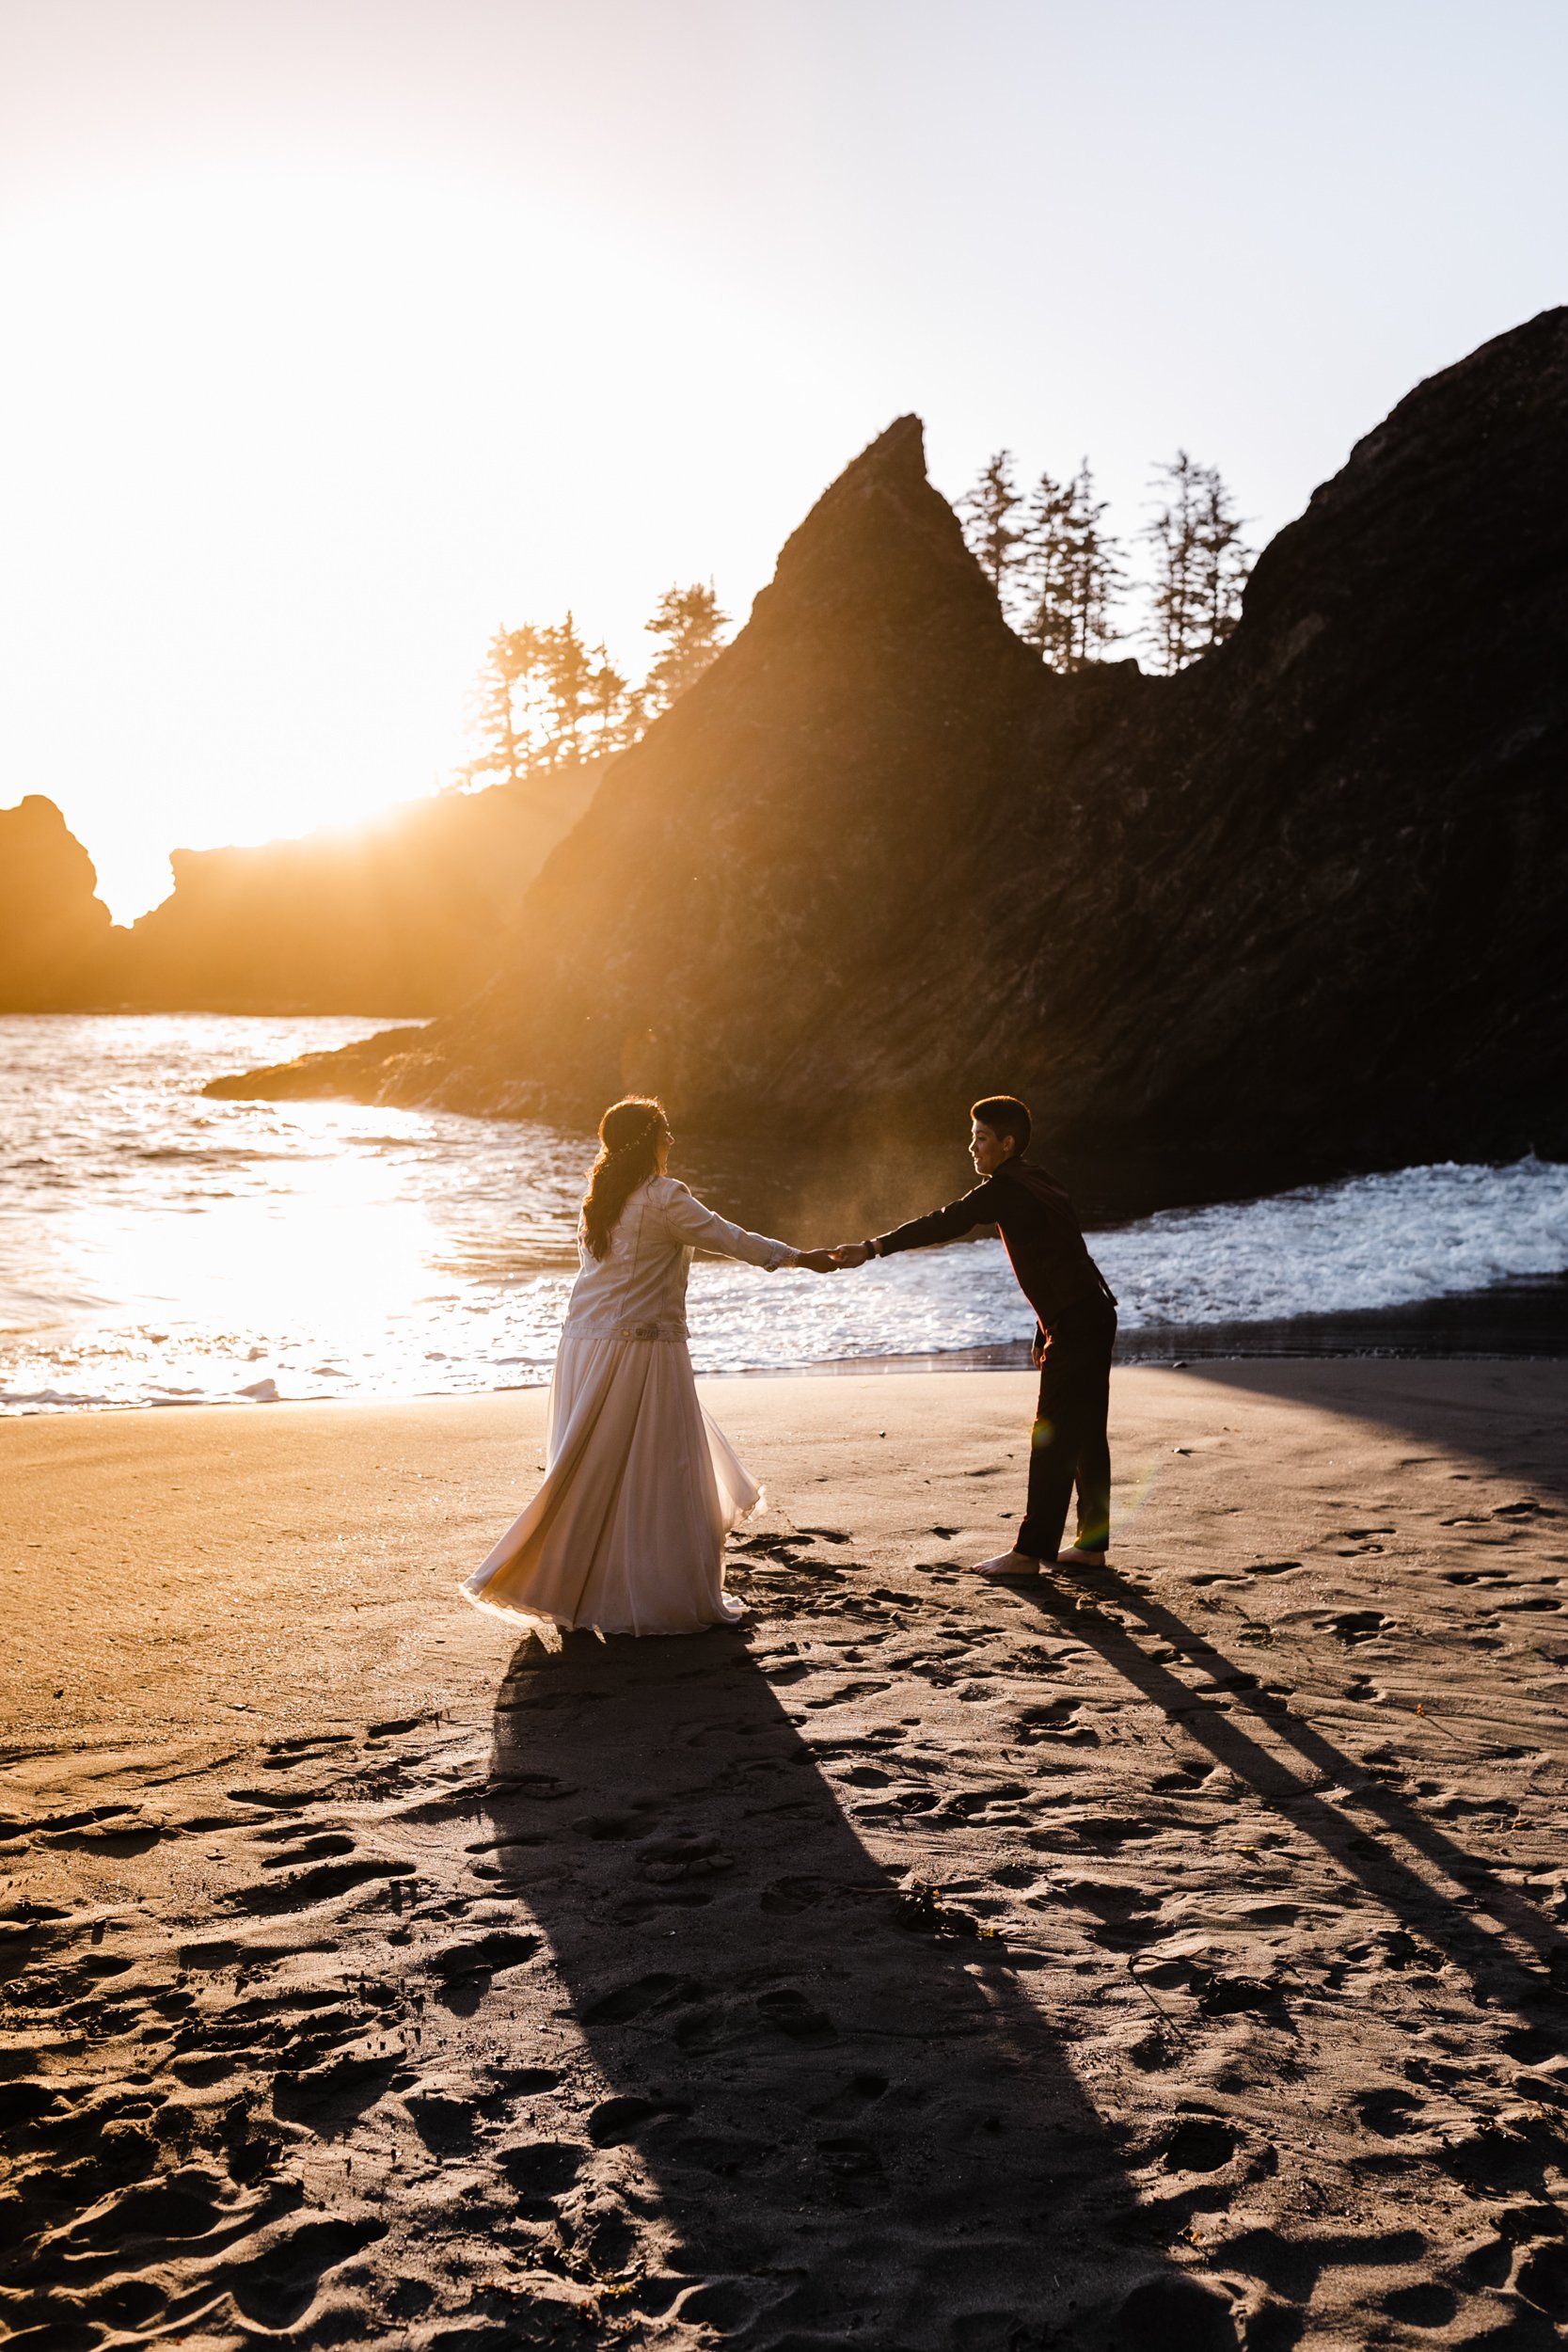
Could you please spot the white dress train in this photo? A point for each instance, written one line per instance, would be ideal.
(626, 1533)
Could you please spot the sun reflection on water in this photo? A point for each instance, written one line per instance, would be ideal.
(156, 1247)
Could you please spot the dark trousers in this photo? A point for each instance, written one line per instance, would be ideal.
(1070, 1446)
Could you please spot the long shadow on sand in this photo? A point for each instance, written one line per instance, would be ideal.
(828, 2117)
(1294, 1767)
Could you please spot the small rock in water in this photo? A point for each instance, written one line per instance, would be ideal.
(263, 1392)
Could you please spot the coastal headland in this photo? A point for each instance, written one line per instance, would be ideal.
(1178, 1956)
(1294, 911)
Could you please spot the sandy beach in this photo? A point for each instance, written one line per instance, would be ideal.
(1175, 1957)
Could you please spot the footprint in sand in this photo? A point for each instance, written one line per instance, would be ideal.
(1061, 1720)
(1018, 1875)
(1388, 2112)
(609, 1828)
(1198, 2144)
(342, 2085)
(467, 1970)
(284, 1800)
(861, 2091)
(1424, 2305)
(276, 2288)
(321, 1883)
(1352, 1626)
(845, 1692)
(314, 1847)
(118, 1838)
(791, 1670)
(1542, 2279)
(615, 2122)
(642, 1997)
(1113, 1901)
(445, 2120)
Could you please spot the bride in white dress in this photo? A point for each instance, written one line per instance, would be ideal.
(626, 1533)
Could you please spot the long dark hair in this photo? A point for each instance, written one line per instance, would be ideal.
(631, 1133)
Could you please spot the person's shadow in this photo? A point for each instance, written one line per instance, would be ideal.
(790, 2099)
(1371, 1833)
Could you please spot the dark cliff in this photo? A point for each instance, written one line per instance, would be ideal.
(54, 930)
(1299, 907)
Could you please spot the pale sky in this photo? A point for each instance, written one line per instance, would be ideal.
(339, 331)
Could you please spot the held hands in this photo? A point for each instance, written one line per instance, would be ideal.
(849, 1253)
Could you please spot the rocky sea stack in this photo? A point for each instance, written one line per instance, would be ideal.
(1297, 909)
(53, 928)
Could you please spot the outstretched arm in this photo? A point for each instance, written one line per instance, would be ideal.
(704, 1228)
(923, 1232)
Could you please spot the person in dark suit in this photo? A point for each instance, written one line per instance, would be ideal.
(1075, 1320)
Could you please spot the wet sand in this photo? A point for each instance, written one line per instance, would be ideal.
(1175, 1957)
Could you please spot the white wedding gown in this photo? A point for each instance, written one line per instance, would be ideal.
(626, 1533)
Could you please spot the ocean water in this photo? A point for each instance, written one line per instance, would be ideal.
(156, 1249)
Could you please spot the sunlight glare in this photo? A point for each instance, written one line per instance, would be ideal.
(318, 1234)
(296, 444)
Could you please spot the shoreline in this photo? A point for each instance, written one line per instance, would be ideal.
(1524, 1320)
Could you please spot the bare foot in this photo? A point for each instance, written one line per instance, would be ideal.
(1007, 1565)
(1078, 1558)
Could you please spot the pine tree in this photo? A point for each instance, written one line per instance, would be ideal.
(1224, 560)
(986, 513)
(1046, 573)
(543, 696)
(1201, 564)
(568, 669)
(1070, 569)
(617, 715)
(689, 622)
(504, 717)
(1098, 580)
(1175, 628)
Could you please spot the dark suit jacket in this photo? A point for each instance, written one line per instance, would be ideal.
(1039, 1231)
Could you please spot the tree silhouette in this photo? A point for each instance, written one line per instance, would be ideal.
(1045, 569)
(692, 625)
(543, 697)
(1201, 565)
(618, 711)
(1225, 561)
(986, 513)
(1069, 571)
(503, 717)
(569, 688)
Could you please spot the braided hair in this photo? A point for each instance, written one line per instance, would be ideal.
(631, 1133)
